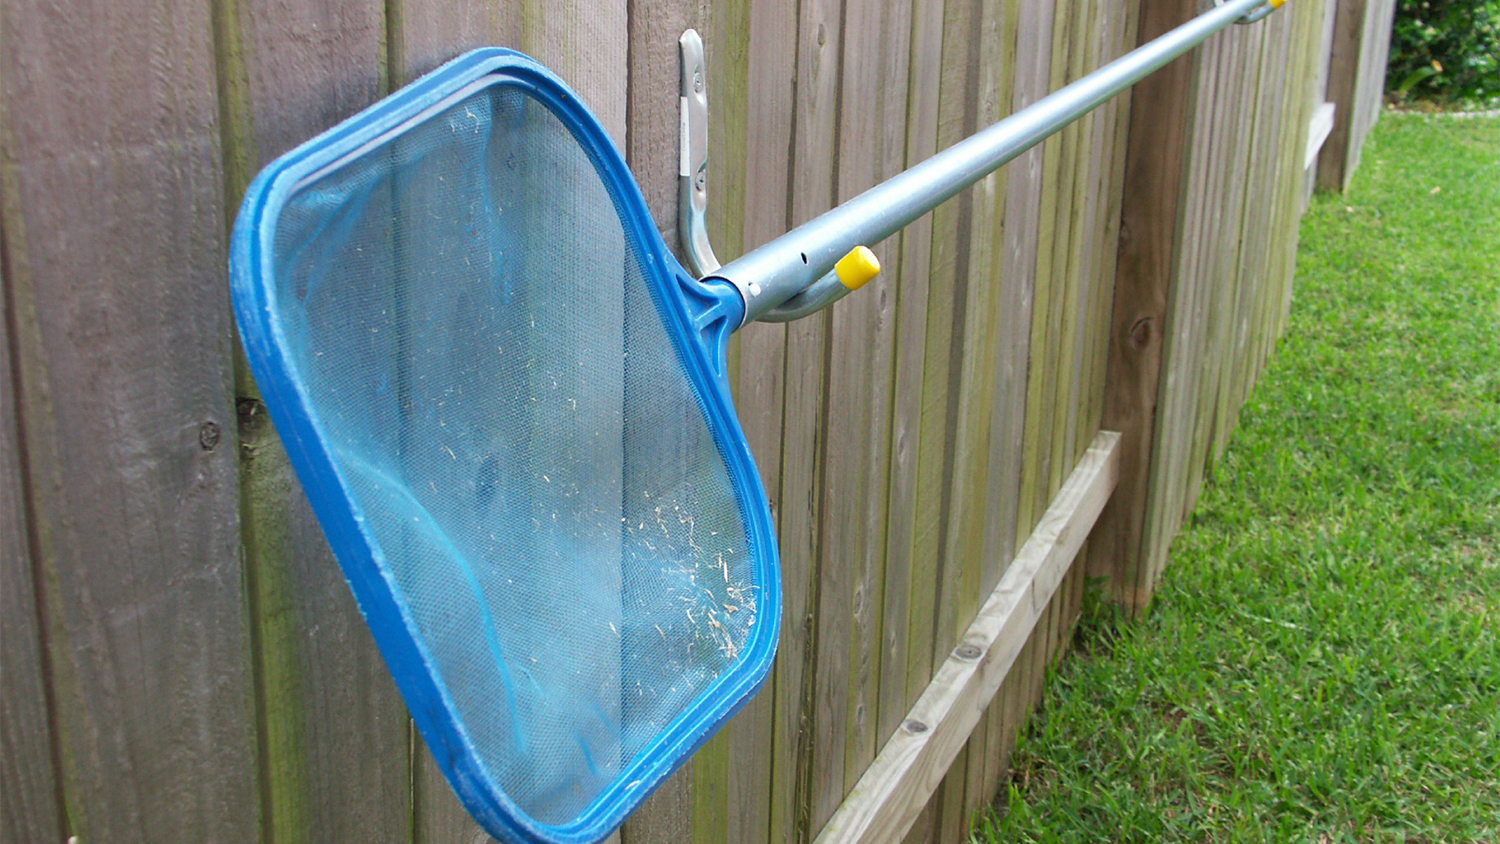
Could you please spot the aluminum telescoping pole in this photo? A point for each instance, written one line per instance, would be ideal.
(784, 267)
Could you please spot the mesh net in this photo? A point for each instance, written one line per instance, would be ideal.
(489, 369)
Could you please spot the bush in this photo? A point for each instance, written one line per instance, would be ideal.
(1446, 50)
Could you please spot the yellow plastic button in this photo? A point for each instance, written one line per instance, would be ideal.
(857, 268)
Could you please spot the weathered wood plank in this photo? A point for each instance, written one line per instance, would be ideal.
(114, 261)
(695, 804)
(644, 43)
(420, 38)
(1047, 343)
(1242, 274)
(335, 732)
(1185, 311)
(872, 136)
(1159, 113)
(976, 345)
(933, 616)
(1018, 276)
(1073, 207)
(1261, 226)
(764, 372)
(909, 767)
(30, 803)
(1040, 386)
(994, 544)
(820, 59)
(1356, 81)
(1228, 201)
(1343, 79)
(812, 693)
(908, 611)
(732, 776)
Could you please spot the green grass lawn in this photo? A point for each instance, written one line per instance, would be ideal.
(1322, 660)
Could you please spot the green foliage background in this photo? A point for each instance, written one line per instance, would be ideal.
(1446, 50)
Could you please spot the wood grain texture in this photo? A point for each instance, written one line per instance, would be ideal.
(1355, 83)
(114, 260)
(933, 598)
(910, 591)
(873, 105)
(762, 399)
(824, 691)
(976, 354)
(1343, 80)
(650, 130)
(907, 771)
(1148, 226)
(1184, 314)
(421, 36)
(732, 778)
(334, 731)
(30, 802)
(1018, 268)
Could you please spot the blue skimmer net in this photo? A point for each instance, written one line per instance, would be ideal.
(506, 402)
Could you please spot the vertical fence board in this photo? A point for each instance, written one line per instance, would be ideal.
(975, 358)
(820, 40)
(813, 697)
(1042, 366)
(872, 141)
(1231, 348)
(1184, 309)
(114, 256)
(1018, 274)
(767, 384)
(1263, 241)
(678, 811)
(1159, 113)
(421, 37)
(932, 608)
(1228, 203)
(29, 805)
(334, 730)
(733, 775)
(911, 589)
(1243, 274)
(1356, 82)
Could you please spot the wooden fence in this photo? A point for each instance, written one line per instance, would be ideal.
(182, 660)
(1359, 49)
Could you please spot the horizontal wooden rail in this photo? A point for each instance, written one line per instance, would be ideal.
(891, 793)
(1317, 132)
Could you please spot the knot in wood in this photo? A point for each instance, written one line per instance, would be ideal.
(208, 435)
(914, 726)
(1140, 333)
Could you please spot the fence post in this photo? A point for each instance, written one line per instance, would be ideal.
(1155, 160)
(1356, 83)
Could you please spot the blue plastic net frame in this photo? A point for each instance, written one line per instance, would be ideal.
(698, 319)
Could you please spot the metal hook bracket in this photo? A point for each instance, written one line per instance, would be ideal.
(692, 169)
(692, 191)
